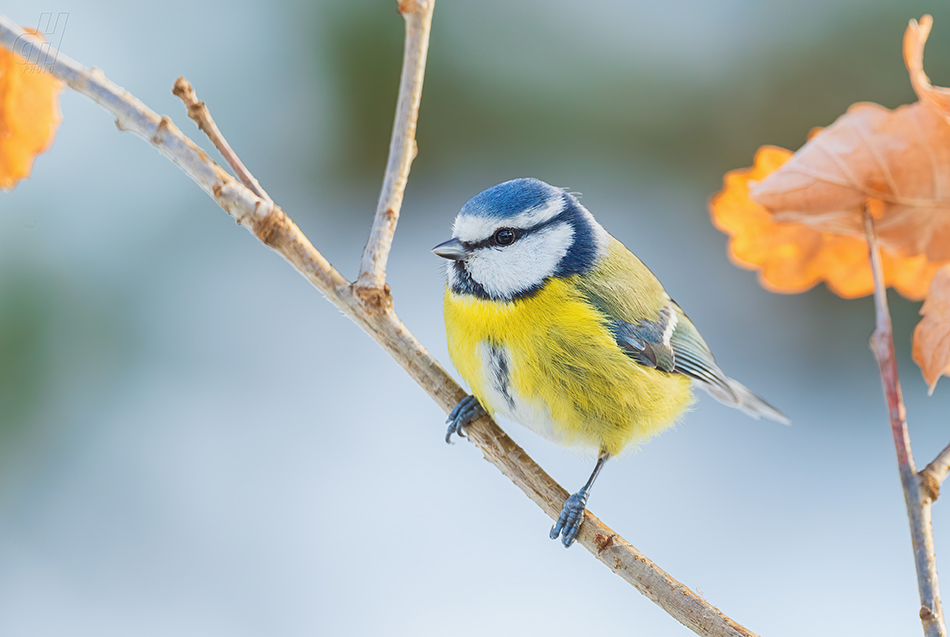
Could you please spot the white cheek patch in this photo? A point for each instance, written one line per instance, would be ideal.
(504, 272)
(472, 229)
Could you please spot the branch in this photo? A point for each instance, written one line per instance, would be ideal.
(918, 503)
(935, 473)
(402, 146)
(202, 116)
(276, 230)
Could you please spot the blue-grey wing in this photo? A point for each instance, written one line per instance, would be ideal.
(648, 341)
(672, 343)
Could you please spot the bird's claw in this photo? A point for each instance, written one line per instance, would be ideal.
(569, 522)
(467, 410)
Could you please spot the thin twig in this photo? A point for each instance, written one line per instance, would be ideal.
(276, 230)
(402, 146)
(202, 116)
(918, 503)
(935, 473)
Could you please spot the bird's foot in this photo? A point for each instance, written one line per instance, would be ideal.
(467, 410)
(569, 522)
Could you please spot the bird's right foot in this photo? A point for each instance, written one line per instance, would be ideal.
(467, 410)
(569, 522)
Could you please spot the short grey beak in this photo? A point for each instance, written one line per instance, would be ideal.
(451, 249)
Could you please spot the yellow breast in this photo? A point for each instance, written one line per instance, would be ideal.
(562, 360)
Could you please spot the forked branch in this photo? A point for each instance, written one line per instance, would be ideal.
(257, 213)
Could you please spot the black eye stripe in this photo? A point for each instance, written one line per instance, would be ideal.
(519, 232)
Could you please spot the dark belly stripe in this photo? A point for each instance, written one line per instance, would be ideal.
(500, 374)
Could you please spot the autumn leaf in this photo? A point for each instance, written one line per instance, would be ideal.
(914, 39)
(795, 257)
(801, 219)
(29, 115)
(932, 334)
(898, 162)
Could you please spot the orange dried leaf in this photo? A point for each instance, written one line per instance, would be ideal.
(900, 159)
(29, 115)
(794, 257)
(894, 163)
(932, 334)
(914, 39)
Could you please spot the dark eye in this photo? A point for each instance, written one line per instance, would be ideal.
(504, 236)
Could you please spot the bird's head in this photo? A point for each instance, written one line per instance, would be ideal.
(511, 238)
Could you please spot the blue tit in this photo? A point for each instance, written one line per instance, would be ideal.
(555, 325)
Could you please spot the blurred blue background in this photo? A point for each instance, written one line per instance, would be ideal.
(194, 442)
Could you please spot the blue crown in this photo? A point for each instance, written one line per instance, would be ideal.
(509, 198)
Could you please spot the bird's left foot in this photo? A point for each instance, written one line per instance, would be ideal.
(467, 410)
(569, 522)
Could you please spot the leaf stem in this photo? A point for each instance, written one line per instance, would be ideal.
(918, 501)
